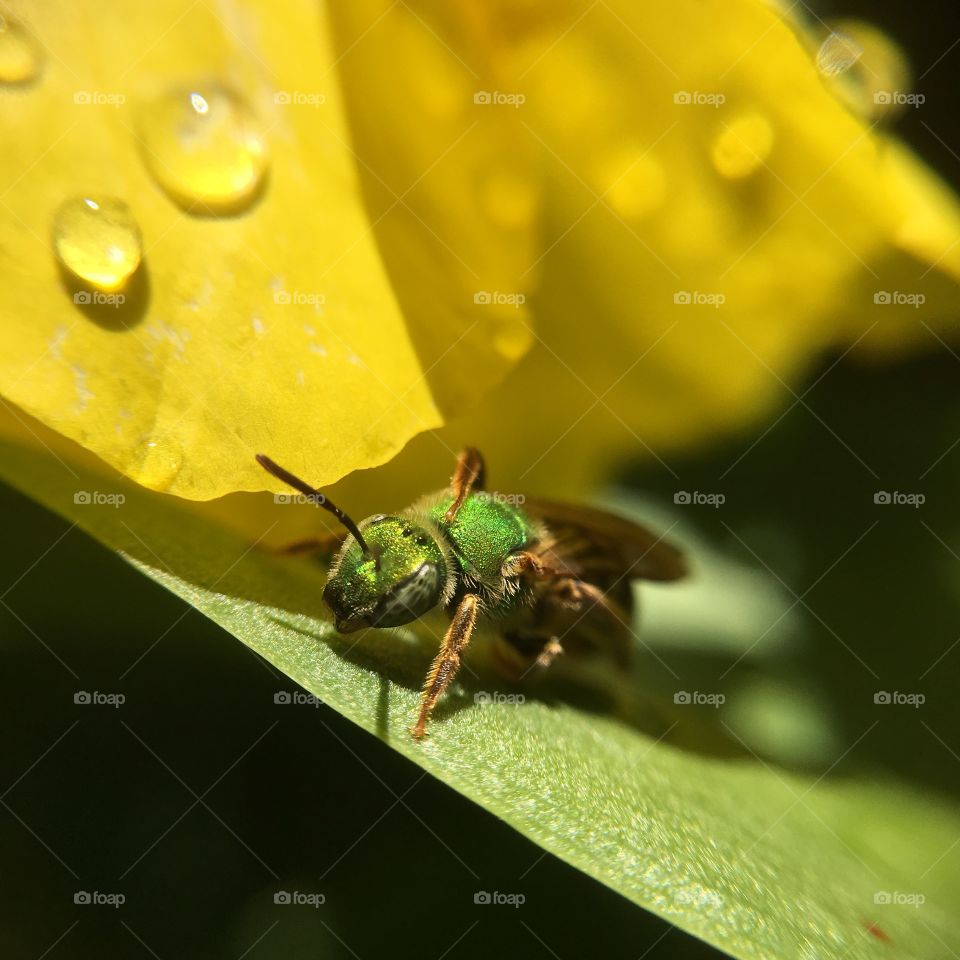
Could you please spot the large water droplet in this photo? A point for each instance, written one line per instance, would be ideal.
(20, 56)
(838, 53)
(205, 148)
(97, 240)
(162, 460)
(742, 146)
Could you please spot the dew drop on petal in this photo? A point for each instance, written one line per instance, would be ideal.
(878, 85)
(161, 464)
(205, 147)
(97, 240)
(631, 182)
(20, 56)
(838, 53)
(512, 340)
(742, 146)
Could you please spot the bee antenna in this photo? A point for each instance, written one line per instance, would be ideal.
(320, 499)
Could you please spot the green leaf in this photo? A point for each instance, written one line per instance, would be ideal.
(757, 861)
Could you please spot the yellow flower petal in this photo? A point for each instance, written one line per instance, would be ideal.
(271, 327)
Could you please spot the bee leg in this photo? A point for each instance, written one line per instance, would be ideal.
(579, 594)
(447, 661)
(525, 562)
(551, 650)
(515, 656)
(469, 475)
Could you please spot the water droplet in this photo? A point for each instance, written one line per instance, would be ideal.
(98, 240)
(742, 146)
(161, 464)
(20, 56)
(838, 53)
(878, 84)
(512, 340)
(631, 183)
(509, 198)
(205, 148)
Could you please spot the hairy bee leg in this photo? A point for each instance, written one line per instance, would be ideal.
(469, 474)
(524, 562)
(580, 593)
(447, 661)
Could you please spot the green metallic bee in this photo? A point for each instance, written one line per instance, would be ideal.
(550, 577)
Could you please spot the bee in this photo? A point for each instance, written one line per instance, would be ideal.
(548, 577)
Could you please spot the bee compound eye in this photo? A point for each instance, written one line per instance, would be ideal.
(409, 598)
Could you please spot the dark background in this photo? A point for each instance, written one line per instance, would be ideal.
(284, 790)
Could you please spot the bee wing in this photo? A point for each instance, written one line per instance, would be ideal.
(602, 547)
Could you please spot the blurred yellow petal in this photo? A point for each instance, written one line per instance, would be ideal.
(451, 185)
(175, 343)
(715, 218)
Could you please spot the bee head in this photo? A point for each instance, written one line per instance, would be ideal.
(389, 571)
(396, 579)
